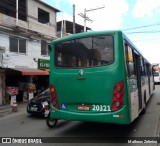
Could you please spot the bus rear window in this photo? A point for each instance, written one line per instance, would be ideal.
(85, 52)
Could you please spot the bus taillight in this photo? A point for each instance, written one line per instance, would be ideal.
(54, 99)
(118, 96)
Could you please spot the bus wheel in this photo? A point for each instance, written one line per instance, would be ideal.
(144, 109)
(51, 122)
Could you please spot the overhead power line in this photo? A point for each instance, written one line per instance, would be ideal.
(142, 32)
(146, 40)
(138, 27)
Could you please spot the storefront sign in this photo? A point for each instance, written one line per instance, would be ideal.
(12, 91)
(43, 64)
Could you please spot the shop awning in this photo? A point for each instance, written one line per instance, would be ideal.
(27, 71)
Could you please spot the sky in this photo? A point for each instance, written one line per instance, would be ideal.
(138, 19)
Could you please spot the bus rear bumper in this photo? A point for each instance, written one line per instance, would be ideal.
(118, 117)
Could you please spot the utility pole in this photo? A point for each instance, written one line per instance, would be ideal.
(86, 18)
(62, 26)
(74, 29)
(17, 12)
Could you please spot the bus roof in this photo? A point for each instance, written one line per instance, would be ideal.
(135, 48)
(85, 34)
(77, 35)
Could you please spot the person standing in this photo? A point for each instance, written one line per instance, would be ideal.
(21, 88)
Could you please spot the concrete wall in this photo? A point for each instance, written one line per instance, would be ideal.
(16, 60)
(33, 44)
(32, 19)
(29, 30)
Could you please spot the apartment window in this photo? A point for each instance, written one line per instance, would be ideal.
(13, 44)
(22, 46)
(17, 45)
(8, 7)
(43, 16)
(44, 48)
(22, 11)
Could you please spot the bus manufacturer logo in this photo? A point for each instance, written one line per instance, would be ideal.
(81, 72)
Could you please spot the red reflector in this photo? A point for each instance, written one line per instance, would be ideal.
(121, 116)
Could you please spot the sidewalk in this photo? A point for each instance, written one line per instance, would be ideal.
(7, 109)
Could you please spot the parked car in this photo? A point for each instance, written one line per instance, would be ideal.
(39, 105)
(156, 77)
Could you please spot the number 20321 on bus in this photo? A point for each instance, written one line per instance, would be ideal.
(100, 108)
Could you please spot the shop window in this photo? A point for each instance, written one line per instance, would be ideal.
(43, 16)
(17, 45)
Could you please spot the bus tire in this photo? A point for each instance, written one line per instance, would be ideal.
(51, 122)
(144, 108)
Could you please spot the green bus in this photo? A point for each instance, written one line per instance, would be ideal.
(98, 77)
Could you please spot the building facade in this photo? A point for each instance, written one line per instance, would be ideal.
(26, 29)
(65, 28)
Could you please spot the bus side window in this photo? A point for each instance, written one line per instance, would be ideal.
(60, 58)
(129, 61)
(142, 67)
(145, 68)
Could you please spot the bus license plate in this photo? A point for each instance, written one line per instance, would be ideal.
(84, 107)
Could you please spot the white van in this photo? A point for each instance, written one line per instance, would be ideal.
(156, 77)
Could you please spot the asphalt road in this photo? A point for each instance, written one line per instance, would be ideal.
(22, 124)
